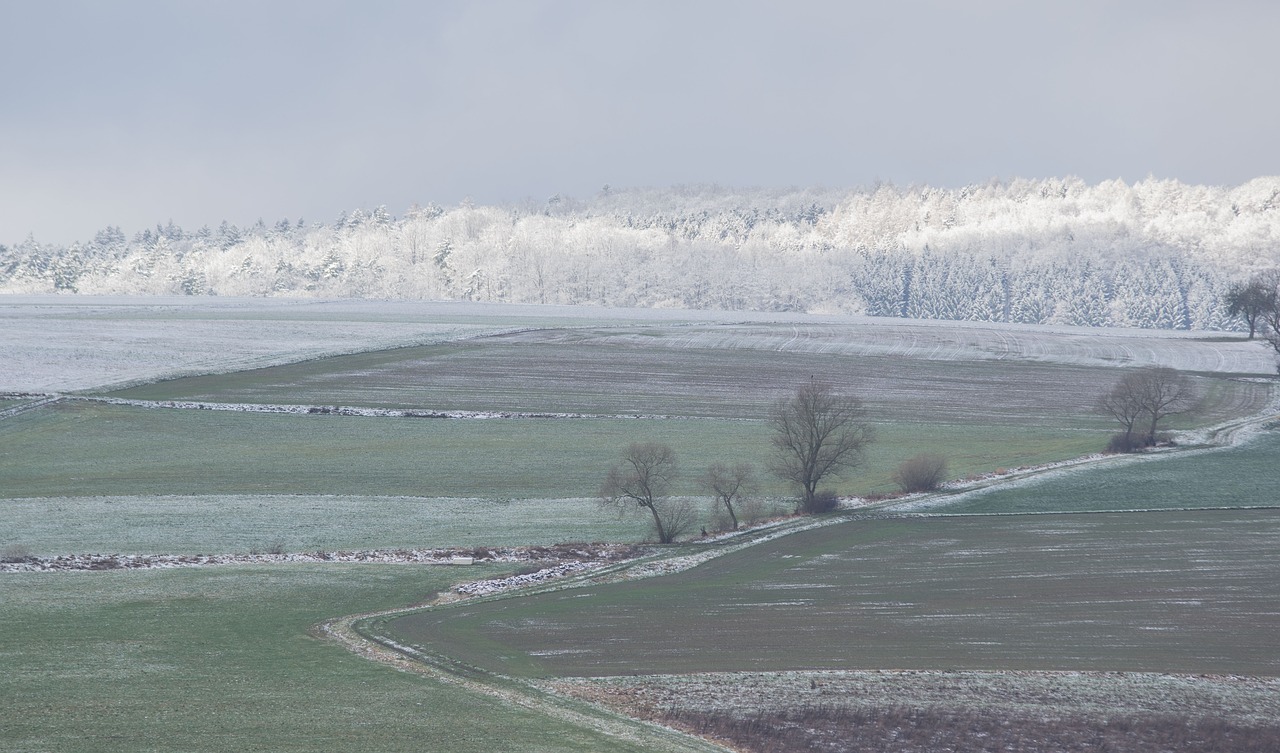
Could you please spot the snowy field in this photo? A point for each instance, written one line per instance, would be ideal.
(64, 343)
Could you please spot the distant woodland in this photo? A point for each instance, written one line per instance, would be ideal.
(1158, 254)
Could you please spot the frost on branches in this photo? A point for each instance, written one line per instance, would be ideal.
(1156, 254)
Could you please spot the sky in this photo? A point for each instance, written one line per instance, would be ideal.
(137, 112)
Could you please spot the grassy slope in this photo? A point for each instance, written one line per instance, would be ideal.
(1242, 476)
(219, 660)
(1162, 592)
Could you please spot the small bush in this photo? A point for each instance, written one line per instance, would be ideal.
(921, 473)
(1124, 443)
(824, 500)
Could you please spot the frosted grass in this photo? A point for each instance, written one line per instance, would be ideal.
(228, 524)
(64, 343)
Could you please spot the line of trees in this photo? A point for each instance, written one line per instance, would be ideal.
(1155, 254)
(817, 433)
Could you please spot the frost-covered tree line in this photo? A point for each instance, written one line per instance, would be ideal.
(1150, 254)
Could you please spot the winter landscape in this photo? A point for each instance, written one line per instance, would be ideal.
(204, 495)
(559, 376)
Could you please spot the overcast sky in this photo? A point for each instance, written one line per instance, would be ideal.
(130, 113)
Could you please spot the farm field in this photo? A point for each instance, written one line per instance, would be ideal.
(79, 448)
(220, 659)
(971, 711)
(1242, 476)
(713, 370)
(240, 524)
(1191, 592)
(64, 343)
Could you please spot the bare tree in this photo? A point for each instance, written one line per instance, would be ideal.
(818, 432)
(1270, 282)
(1252, 301)
(1145, 398)
(1124, 404)
(729, 486)
(1166, 392)
(644, 480)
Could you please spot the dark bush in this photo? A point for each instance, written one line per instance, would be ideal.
(824, 500)
(1124, 443)
(921, 473)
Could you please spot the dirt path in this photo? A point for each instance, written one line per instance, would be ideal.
(345, 632)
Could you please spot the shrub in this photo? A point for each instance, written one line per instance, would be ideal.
(824, 500)
(921, 473)
(1124, 443)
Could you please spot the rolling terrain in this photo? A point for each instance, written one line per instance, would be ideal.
(209, 434)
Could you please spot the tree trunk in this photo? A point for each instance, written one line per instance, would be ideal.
(657, 524)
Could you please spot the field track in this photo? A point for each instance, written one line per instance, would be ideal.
(356, 369)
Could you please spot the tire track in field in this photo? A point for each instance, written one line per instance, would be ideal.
(18, 410)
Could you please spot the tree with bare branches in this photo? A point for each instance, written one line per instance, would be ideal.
(728, 486)
(1165, 392)
(1145, 397)
(643, 481)
(1252, 301)
(817, 432)
(1124, 404)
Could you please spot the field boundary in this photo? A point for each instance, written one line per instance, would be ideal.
(351, 633)
(353, 411)
(1208, 439)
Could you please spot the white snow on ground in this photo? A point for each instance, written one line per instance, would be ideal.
(63, 343)
(66, 343)
(344, 410)
(567, 559)
(496, 585)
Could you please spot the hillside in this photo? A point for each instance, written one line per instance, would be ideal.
(1154, 254)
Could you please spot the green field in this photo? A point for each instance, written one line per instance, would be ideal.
(1190, 592)
(1243, 476)
(78, 448)
(220, 660)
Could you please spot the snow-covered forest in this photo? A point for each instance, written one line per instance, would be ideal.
(1155, 253)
